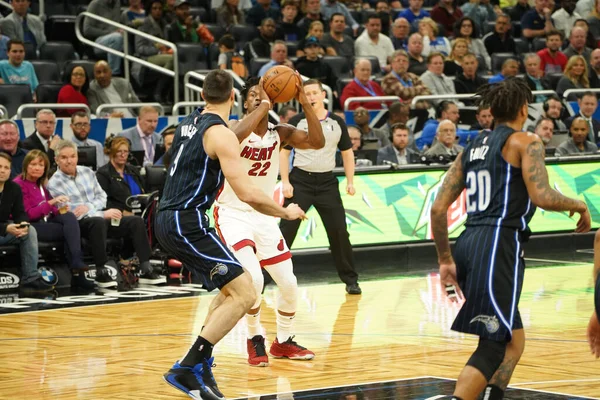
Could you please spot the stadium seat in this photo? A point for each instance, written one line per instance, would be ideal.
(12, 96)
(30, 51)
(213, 56)
(517, 31)
(553, 80)
(498, 59)
(59, 52)
(46, 71)
(256, 64)
(191, 56)
(217, 31)
(292, 47)
(341, 83)
(48, 92)
(521, 46)
(539, 43)
(339, 65)
(357, 15)
(61, 28)
(481, 64)
(489, 27)
(243, 34)
(200, 13)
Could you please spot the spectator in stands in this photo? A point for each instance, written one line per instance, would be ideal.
(16, 71)
(431, 41)
(585, 8)
(417, 64)
(104, 34)
(184, 28)
(446, 13)
(564, 18)
(135, 14)
(340, 114)
(287, 29)
(480, 11)
(143, 136)
(399, 82)
(553, 109)
(169, 11)
(544, 128)
(9, 144)
(261, 46)
(312, 12)
(355, 137)
(446, 141)
(537, 22)
(106, 89)
(15, 229)
(50, 216)
(397, 152)
(434, 78)
(446, 110)
(398, 113)
(594, 74)
(590, 39)
(168, 134)
(577, 45)
(469, 81)
(336, 41)
(261, 10)
(43, 138)
(153, 52)
(400, 33)
(500, 40)
(452, 65)
(285, 113)
(279, 56)
(362, 85)
(243, 5)
(376, 138)
(80, 125)
(594, 19)
(382, 8)
(534, 76)
(315, 30)
(229, 14)
(21, 25)
(311, 66)
(575, 77)
(465, 28)
(330, 7)
(373, 43)
(484, 117)
(588, 103)
(510, 69)
(4, 45)
(519, 10)
(578, 143)
(414, 12)
(552, 60)
(74, 91)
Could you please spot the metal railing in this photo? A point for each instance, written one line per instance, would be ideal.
(110, 106)
(416, 99)
(569, 91)
(3, 112)
(181, 104)
(192, 93)
(29, 106)
(351, 100)
(125, 53)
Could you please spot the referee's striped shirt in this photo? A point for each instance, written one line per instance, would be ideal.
(336, 137)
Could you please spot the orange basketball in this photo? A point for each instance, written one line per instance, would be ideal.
(280, 84)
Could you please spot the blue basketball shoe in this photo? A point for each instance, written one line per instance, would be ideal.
(197, 382)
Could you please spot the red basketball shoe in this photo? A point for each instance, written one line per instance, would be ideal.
(257, 354)
(290, 349)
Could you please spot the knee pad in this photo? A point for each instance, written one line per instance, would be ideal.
(283, 275)
(488, 356)
(248, 259)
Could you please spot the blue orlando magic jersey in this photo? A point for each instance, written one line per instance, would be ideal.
(496, 192)
(193, 178)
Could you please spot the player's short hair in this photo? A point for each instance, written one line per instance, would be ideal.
(217, 87)
(314, 82)
(505, 98)
(250, 82)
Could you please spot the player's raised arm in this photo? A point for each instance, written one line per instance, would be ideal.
(250, 122)
(222, 143)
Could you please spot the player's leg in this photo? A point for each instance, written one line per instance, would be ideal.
(304, 189)
(497, 385)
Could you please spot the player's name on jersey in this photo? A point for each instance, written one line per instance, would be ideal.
(478, 153)
(258, 154)
(188, 131)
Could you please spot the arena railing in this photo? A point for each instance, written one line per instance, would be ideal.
(110, 106)
(36, 106)
(569, 91)
(3, 112)
(382, 99)
(125, 53)
(451, 96)
(192, 93)
(181, 104)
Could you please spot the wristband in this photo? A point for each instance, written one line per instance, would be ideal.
(266, 101)
(597, 296)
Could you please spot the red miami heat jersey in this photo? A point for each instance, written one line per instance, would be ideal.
(260, 160)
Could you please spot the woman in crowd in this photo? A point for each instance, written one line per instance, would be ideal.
(452, 65)
(465, 28)
(575, 77)
(50, 216)
(314, 29)
(428, 28)
(229, 14)
(74, 91)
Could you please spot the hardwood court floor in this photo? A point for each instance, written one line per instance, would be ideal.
(398, 328)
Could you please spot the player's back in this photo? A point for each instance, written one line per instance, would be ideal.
(496, 192)
(193, 178)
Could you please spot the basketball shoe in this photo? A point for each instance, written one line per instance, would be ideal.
(257, 354)
(290, 349)
(197, 382)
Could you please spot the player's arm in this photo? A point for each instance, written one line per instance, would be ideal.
(533, 165)
(452, 187)
(284, 172)
(221, 143)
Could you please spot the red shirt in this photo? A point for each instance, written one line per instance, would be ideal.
(552, 65)
(444, 18)
(353, 89)
(68, 94)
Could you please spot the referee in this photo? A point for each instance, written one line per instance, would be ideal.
(311, 182)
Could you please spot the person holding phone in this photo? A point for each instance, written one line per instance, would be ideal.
(17, 231)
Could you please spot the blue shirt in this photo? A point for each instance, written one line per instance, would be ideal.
(263, 70)
(429, 132)
(83, 189)
(133, 186)
(24, 74)
(496, 78)
(410, 17)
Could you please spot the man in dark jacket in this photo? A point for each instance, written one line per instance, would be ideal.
(183, 29)
(43, 138)
(500, 41)
(314, 67)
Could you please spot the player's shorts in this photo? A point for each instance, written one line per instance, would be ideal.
(490, 269)
(239, 229)
(186, 236)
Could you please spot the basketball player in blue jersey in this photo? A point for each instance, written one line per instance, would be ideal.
(505, 178)
(205, 153)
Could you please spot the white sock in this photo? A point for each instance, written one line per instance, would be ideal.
(254, 326)
(284, 327)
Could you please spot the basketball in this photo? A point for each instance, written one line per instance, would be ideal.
(280, 84)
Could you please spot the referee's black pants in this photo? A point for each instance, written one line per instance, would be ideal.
(322, 191)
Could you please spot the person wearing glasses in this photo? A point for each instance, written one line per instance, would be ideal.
(75, 89)
(80, 125)
(43, 138)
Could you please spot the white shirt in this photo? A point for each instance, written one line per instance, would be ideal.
(148, 147)
(114, 97)
(363, 46)
(400, 156)
(563, 21)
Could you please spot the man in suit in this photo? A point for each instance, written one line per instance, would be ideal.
(105, 89)
(534, 76)
(143, 136)
(398, 151)
(43, 138)
(22, 26)
(446, 141)
(587, 107)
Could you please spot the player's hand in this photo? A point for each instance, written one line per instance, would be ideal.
(300, 95)
(593, 335)
(293, 211)
(449, 282)
(350, 189)
(584, 224)
(288, 190)
(262, 94)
